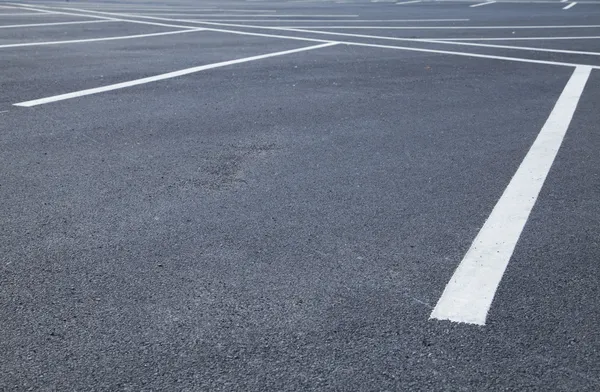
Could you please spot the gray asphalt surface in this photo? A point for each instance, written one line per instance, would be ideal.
(289, 223)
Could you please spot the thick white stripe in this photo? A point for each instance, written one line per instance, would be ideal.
(469, 294)
(569, 6)
(164, 76)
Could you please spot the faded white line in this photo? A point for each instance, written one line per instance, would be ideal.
(469, 294)
(482, 4)
(164, 76)
(55, 24)
(569, 6)
(408, 2)
(517, 38)
(76, 41)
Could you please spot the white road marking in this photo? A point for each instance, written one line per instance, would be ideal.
(482, 4)
(468, 296)
(332, 20)
(437, 27)
(164, 76)
(76, 41)
(465, 54)
(54, 24)
(569, 6)
(563, 1)
(110, 18)
(408, 2)
(518, 38)
(3, 14)
(191, 14)
(527, 48)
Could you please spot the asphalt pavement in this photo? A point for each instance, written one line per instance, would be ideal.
(299, 195)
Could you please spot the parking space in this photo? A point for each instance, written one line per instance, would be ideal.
(284, 195)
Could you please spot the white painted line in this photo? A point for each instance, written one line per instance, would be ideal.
(164, 76)
(54, 24)
(4, 111)
(111, 18)
(527, 48)
(3, 14)
(482, 4)
(518, 38)
(569, 6)
(334, 20)
(192, 14)
(563, 1)
(437, 27)
(76, 41)
(465, 54)
(408, 2)
(469, 294)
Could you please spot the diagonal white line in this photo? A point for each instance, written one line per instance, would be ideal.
(164, 76)
(76, 41)
(469, 294)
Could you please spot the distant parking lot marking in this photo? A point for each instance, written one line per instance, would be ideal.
(569, 6)
(482, 4)
(164, 76)
(469, 294)
(55, 24)
(75, 41)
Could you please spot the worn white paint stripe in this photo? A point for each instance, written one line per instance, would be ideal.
(569, 6)
(408, 2)
(164, 76)
(76, 41)
(54, 24)
(482, 4)
(468, 296)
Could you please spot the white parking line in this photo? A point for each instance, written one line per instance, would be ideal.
(518, 38)
(334, 20)
(3, 14)
(413, 49)
(526, 48)
(192, 14)
(56, 23)
(469, 294)
(76, 41)
(164, 76)
(482, 4)
(569, 6)
(408, 2)
(429, 27)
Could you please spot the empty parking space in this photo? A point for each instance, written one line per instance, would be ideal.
(290, 195)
